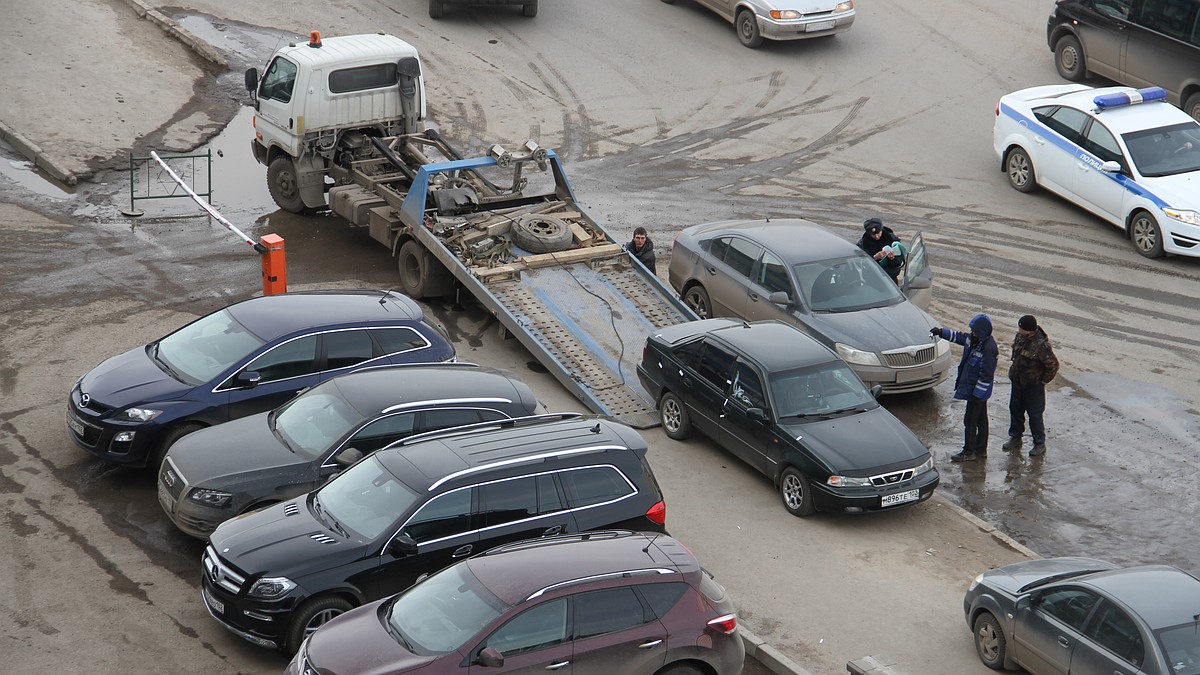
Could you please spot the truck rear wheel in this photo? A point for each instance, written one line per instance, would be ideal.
(282, 183)
(530, 8)
(436, 9)
(421, 274)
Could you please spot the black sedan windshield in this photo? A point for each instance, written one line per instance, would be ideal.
(823, 389)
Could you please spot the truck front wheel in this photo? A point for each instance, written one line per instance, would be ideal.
(421, 274)
(282, 183)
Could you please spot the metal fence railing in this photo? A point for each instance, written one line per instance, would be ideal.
(150, 178)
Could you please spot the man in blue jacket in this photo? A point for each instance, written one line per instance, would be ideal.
(976, 371)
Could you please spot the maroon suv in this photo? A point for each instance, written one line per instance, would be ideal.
(599, 602)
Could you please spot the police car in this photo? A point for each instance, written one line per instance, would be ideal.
(1124, 154)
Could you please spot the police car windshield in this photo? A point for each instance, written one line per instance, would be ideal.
(1165, 151)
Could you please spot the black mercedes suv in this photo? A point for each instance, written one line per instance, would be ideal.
(274, 576)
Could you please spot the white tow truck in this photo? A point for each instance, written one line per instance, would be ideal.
(339, 124)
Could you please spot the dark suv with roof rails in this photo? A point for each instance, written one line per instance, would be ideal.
(598, 602)
(1138, 43)
(274, 576)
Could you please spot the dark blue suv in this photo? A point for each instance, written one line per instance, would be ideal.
(249, 357)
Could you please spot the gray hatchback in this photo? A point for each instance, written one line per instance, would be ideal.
(217, 473)
(799, 272)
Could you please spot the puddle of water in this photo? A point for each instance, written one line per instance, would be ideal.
(239, 182)
(24, 173)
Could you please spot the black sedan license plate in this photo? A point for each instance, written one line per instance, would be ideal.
(900, 498)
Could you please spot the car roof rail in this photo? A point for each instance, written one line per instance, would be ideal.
(507, 423)
(558, 539)
(439, 365)
(644, 571)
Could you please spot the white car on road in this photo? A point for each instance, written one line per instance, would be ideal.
(1124, 154)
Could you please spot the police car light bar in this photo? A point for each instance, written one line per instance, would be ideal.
(1120, 99)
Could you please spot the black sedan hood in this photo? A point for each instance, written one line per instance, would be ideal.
(858, 444)
(1012, 578)
(357, 642)
(131, 379)
(283, 540)
(238, 447)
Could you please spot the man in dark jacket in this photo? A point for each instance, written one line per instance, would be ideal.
(881, 244)
(1033, 366)
(976, 371)
(642, 248)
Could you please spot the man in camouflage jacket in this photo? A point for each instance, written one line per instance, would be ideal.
(1033, 366)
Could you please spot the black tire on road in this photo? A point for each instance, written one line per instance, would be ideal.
(541, 234)
(529, 9)
(154, 463)
(436, 9)
(1192, 106)
(283, 184)
(1019, 169)
(675, 419)
(421, 274)
(312, 615)
(696, 298)
(1069, 59)
(989, 641)
(796, 493)
(1146, 235)
(746, 25)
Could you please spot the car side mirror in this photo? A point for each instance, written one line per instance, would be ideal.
(348, 456)
(251, 80)
(876, 390)
(780, 298)
(490, 657)
(756, 414)
(247, 379)
(1024, 603)
(1111, 167)
(402, 546)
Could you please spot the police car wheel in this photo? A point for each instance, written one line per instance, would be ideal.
(1069, 59)
(1146, 236)
(1020, 172)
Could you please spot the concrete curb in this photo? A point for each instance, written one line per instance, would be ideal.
(987, 528)
(200, 47)
(31, 150)
(773, 659)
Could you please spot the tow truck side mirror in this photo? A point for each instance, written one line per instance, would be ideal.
(251, 80)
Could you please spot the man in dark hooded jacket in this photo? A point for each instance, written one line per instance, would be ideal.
(881, 244)
(976, 372)
(1033, 366)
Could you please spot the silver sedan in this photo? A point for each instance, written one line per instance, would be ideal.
(755, 20)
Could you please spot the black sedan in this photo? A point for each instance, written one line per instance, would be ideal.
(214, 474)
(246, 358)
(1086, 617)
(788, 406)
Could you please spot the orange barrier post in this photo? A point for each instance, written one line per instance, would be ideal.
(274, 266)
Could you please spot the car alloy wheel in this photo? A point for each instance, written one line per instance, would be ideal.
(1020, 170)
(1147, 238)
(989, 641)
